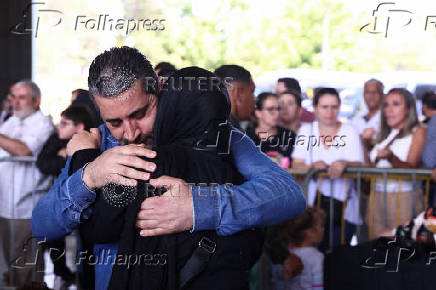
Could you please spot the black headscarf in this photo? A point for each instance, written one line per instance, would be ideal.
(190, 134)
(83, 98)
(192, 107)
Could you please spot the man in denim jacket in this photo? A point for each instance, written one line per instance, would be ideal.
(119, 81)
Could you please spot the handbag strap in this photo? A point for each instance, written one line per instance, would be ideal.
(198, 261)
(392, 141)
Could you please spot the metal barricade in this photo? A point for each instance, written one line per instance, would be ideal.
(358, 174)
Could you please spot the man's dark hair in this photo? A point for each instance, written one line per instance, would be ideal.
(235, 72)
(325, 91)
(79, 114)
(295, 93)
(429, 99)
(115, 70)
(165, 69)
(290, 84)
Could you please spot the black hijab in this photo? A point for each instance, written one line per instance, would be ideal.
(191, 137)
(191, 117)
(83, 98)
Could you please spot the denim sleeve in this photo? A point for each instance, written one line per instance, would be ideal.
(58, 212)
(270, 194)
(429, 153)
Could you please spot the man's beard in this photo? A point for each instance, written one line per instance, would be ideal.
(24, 112)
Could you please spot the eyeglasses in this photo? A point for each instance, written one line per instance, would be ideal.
(271, 109)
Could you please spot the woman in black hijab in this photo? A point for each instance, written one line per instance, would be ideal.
(190, 134)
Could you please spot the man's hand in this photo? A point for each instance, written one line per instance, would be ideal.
(169, 213)
(336, 169)
(117, 165)
(84, 140)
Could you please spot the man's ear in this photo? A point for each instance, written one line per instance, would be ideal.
(36, 103)
(257, 113)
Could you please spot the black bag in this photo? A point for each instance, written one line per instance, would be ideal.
(382, 264)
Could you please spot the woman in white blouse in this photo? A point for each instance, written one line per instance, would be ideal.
(332, 145)
(399, 129)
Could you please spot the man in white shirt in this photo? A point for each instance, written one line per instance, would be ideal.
(367, 124)
(23, 134)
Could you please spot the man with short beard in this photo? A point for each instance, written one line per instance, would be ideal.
(23, 134)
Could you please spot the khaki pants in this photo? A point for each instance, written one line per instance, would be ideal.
(26, 263)
(399, 209)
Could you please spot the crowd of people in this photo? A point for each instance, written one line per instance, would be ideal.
(386, 135)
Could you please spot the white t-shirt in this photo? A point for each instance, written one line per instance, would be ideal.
(346, 146)
(359, 123)
(400, 147)
(19, 179)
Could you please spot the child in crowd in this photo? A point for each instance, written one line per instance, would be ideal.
(51, 160)
(304, 233)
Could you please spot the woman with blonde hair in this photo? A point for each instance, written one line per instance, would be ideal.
(399, 130)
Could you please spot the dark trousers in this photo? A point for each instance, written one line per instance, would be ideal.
(58, 257)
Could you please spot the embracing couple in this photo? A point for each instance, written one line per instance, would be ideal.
(208, 235)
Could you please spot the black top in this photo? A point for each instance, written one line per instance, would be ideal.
(282, 143)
